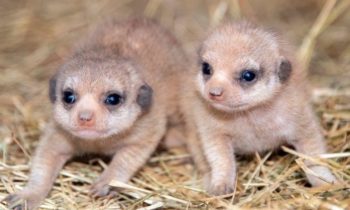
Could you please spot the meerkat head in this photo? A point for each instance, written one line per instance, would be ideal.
(97, 97)
(241, 67)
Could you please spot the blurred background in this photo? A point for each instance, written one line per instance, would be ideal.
(36, 34)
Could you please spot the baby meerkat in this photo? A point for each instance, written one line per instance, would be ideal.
(115, 95)
(248, 96)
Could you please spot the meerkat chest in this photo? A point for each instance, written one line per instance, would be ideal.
(260, 132)
(103, 147)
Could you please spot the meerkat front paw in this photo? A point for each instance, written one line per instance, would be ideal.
(324, 176)
(100, 189)
(221, 188)
(22, 201)
(15, 202)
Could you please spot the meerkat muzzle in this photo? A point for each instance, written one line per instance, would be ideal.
(216, 93)
(86, 118)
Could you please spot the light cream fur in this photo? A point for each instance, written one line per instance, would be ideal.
(120, 56)
(247, 118)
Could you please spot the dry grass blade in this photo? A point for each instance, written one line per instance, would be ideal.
(117, 184)
(336, 155)
(308, 44)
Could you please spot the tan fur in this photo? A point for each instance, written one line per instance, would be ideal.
(246, 119)
(117, 56)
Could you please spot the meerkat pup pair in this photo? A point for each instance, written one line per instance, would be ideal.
(115, 95)
(248, 95)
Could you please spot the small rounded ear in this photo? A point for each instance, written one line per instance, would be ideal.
(52, 88)
(144, 97)
(284, 70)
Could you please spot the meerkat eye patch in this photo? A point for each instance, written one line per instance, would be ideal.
(248, 75)
(207, 70)
(69, 97)
(52, 88)
(285, 70)
(144, 97)
(113, 99)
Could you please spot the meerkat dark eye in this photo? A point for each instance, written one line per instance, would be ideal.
(113, 99)
(69, 97)
(248, 75)
(206, 69)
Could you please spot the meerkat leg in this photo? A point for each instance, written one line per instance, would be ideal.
(126, 161)
(196, 150)
(47, 162)
(220, 155)
(174, 137)
(313, 145)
